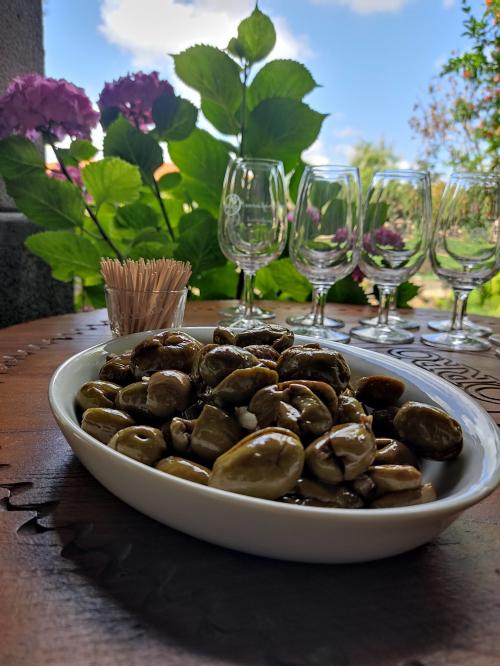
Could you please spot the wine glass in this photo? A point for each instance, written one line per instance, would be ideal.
(398, 223)
(325, 236)
(466, 249)
(309, 318)
(469, 325)
(252, 224)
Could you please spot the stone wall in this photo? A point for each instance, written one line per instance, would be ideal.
(27, 290)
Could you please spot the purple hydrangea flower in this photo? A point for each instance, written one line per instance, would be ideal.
(74, 172)
(134, 95)
(358, 275)
(34, 105)
(382, 236)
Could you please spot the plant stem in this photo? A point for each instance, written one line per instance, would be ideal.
(246, 72)
(89, 210)
(156, 190)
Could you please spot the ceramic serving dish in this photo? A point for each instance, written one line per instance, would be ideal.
(285, 531)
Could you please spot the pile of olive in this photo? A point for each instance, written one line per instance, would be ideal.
(254, 414)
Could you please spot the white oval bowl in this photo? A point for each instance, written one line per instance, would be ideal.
(279, 530)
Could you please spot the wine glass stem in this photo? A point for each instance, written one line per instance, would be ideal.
(386, 294)
(319, 299)
(392, 304)
(459, 308)
(248, 287)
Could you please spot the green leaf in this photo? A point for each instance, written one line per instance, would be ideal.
(280, 78)
(68, 255)
(151, 250)
(109, 115)
(235, 48)
(95, 294)
(282, 280)
(218, 282)
(347, 291)
(19, 157)
(202, 160)
(198, 242)
(136, 216)
(294, 182)
(112, 180)
(125, 141)
(51, 203)
(256, 36)
(64, 154)
(174, 116)
(82, 150)
(212, 73)
(224, 120)
(281, 128)
(169, 181)
(151, 235)
(405, 292)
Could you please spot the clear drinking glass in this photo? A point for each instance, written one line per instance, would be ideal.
(252, 224)
(325, 236)
(469, 325)
(466, 249)
(398, 222)
(239, 311)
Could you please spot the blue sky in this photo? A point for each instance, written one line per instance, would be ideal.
(373, 58)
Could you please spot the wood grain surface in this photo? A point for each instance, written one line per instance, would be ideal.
(85, 579)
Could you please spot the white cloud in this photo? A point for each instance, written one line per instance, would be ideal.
(343, 152)
(151, 29)
(366, 6)
(316, 154)
(347, 131)
(448, 4)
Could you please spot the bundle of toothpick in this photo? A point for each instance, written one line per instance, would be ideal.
(143, 295)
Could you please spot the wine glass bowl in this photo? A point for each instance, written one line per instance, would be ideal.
(252, 223)
(325, 237)
(465, 251)
(397, 230)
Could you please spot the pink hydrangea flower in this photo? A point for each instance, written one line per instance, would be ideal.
(134, 95)
(382, 236)
(74, 172)
(34, 105)
(358, 275)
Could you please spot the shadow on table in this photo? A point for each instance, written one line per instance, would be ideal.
(249, 610)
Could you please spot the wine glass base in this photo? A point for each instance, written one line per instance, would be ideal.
(444, 326)
(241, 322)
(454, 342)
(495, 339)
(394, 320)
(239, 311)
(326, 332)
(308, 320)
(385, 335)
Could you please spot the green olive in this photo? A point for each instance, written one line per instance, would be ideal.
(393, 452)
(133, 399)
(185, 469)
(140, 442)
(213, 433)
(383, 422)
(278, 337)
(117, 370)
(343, 453)
(425, 493)
(102, 422)
(241, 384)
(379, 390)
(168, 392)
(394, 478)
(315, 493)
(220, 361)
(266, 463)
(171, 350)
(350, 410)
(430, 431)
(97, 394)
(318, 364)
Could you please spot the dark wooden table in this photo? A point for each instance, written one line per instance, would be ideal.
(84, 579)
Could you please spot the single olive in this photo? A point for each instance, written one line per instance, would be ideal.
(180, 434)
(394, 478)
(321, 389)
(185, 469)
(317, 364)
(342, 453)
(213, 433)
(430, 431)
(133, 398)
(315, 493)
(97, 394)
(171, 350)
(267, 464)
(140, 442)
(364, 486)
(383, 422)
(393, 452)
(168, 392)
(263, 352)
(117, 370)
(350, 410)
(379, 391)
(224, 336)
(241, 384)
(222, 360)
(422, 495)
(278, 337)
(102, 422)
